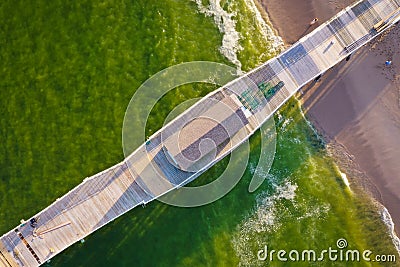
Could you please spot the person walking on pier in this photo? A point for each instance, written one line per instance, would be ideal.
(33, 222)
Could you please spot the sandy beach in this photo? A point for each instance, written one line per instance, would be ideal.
(291, 18)
(356, 105)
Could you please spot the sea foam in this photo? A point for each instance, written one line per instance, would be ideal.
(231, 37)
(263, 219)
(387, 219)
(343, 176)
(227, 26)
(265, 29)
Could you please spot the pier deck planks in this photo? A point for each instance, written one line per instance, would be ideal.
(146, 174)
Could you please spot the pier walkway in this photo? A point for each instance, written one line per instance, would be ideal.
(197, 139)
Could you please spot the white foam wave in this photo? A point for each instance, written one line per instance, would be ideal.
(264, 219)
(343, 176)
(265, 29)
(227, 26)
(296, 140)
(318, 212)
(285, 123)
(387, 219)
(231, 37)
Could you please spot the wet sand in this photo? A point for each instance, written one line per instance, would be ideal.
(356, 105)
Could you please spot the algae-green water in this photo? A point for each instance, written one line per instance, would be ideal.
(67, 73)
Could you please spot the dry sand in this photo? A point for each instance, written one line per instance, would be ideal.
(291, 18)
(357, 103)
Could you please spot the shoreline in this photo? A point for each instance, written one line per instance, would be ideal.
(352, 131)
(367, 124)
(293, 23)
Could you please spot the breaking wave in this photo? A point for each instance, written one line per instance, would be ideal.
(227, 26)
(265, 29)
(264, 219)
(387, 219)
(231, 37)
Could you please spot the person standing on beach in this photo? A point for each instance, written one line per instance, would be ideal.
(313, 21)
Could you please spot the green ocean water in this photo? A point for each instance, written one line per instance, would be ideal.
(67, 73)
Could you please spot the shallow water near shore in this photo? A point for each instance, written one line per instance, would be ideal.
(67, 77)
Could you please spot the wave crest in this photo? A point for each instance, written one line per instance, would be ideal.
(387, 219)
(264, 219)
(227, 26)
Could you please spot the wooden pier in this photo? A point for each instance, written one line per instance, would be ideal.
(193, 142)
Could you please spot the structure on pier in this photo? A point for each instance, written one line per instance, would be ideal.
(197, 139)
